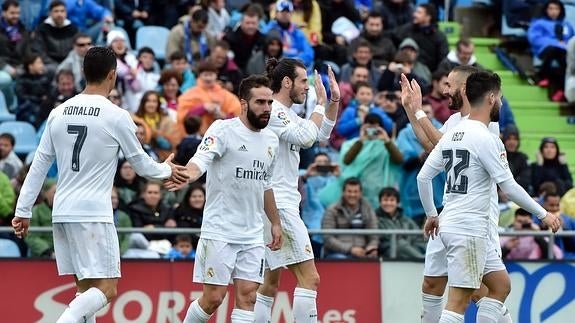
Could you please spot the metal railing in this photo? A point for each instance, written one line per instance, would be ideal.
(380, 232)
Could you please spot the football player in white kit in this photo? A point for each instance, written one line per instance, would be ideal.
(239, 156)
(84, 135)
(473, 159)
(435, 272)
(290, 85)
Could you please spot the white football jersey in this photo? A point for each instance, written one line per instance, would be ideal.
(474, 161)
(240, 164)
(452, 122)
(84, 135)
(294, 133)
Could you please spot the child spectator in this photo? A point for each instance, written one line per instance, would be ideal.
(32, 88)
(182, 249)
(353, 115)
(147, 76)
(188, 146)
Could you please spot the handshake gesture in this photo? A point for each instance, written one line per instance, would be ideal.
(180, 175)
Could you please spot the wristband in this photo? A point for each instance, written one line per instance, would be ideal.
(420, 114)
(319, 109)
(332, 100)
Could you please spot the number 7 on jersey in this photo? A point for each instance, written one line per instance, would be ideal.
(81, 132)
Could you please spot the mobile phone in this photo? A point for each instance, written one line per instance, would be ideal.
(371, 132)
(325, 168)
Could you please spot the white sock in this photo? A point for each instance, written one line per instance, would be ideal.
(196, 314)
(432, 307)
(91, 319)
(242, 316)
(489, 310)
(304, 307)
(506, 318)
(263, 308)
(84, 306)
(450, 317)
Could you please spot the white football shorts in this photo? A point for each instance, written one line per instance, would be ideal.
(219, 263)
(296, 247)
(87, 250)
(466, 256)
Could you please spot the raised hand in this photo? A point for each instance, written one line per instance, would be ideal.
(319, 89)
(410, 94)
(333, 86)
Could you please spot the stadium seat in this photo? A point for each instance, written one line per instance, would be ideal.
(9, 249)
(155, 37)
(24, 133)
(5, 115)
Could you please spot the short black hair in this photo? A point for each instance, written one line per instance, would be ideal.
(10, 138)
(63, 72)
(373, 118)
(480, 84)
(56, 3)
(10, 3)
(30, 59)
(176, 56)
(200, 15)
(439, 74)
(522, 212)
(277, 70)
(99, 61)
(146, 50)
(81, 35)
(360, 84)
(192, 124)
(431, 11)
(352, 181)
(183, 238)
(389, 191)
(252, 82)
(551, 194)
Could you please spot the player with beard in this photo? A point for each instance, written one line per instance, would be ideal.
(497, 283)
(473, 159)
(239, 156)
(289, 84)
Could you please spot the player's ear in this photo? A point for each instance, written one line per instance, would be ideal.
(286, 82)
(244, 104)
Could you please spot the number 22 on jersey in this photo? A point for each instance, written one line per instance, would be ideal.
(457, 161)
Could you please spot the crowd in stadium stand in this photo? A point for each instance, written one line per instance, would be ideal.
(176, 91)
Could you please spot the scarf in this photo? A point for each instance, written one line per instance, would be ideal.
(13, 32)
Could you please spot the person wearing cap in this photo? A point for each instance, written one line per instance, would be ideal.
(517, 160)
(551, 166)
(207, 100)
(127, 66)
(410, 47)
(461, 55)
(295, 43)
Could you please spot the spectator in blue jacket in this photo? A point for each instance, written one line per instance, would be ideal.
(182, 249)
(552, 203)
(414, 156)
(548, 36)
(354, 114)
(295, 43)
(81, 13)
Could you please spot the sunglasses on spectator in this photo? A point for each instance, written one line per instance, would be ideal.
(83, 44)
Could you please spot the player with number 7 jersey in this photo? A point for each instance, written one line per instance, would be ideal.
(84, 135)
